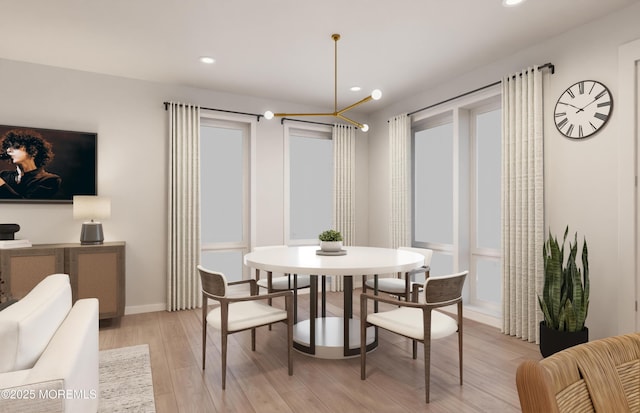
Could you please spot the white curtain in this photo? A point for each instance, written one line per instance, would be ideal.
(183, 288)
(400, 190)
(344, 161)
(522, 203)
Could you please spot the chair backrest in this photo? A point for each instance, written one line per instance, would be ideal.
(424, 251)
(213, 283)
(444, 290)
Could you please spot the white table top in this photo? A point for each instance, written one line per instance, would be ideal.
(357, 261)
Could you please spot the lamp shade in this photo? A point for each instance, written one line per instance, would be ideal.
(89, 207)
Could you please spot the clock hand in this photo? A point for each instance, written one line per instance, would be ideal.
(569, 104)
(582, 108)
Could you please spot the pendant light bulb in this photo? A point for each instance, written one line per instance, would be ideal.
(268, 115)
(376, 94)
(365, 127)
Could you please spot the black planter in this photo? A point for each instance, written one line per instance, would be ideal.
(552, 341)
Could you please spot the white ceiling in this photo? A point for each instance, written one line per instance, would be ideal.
(282, 49)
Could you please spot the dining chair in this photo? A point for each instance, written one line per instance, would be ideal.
(293, 282)
(418, 321)
(240, 313)
(399, 286)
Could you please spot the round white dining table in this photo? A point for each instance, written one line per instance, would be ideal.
(332, 337)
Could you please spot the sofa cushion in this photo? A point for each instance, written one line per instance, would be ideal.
(27, 326)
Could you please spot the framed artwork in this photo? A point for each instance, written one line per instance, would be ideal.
(46, 165)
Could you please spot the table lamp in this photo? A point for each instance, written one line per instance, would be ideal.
(91, 208)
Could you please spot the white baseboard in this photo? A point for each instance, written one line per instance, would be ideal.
(482, 318)
(469, 313)
(149, 308)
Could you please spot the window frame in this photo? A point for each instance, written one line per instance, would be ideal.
(310, 131)
(248, 126)
(461, 112)
(476, 252)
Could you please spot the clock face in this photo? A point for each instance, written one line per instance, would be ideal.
(583, 109)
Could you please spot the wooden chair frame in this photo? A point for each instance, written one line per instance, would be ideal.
(209, 284)
(449, 294)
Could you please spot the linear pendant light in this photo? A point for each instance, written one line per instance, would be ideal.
(340, 114)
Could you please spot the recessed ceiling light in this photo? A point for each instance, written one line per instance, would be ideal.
(208, 60)
(355, 88)
(511, 3)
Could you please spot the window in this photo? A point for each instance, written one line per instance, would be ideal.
(486, 137)
(433, 191)
(224, 195)
(310, 183)
(456, 195)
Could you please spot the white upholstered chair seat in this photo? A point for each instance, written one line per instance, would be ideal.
(247, 314)
(388, 285)
(285, 282)
(408, 322)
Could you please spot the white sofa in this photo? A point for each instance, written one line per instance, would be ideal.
(49, 351)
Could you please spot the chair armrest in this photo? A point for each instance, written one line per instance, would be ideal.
(261, 296)
(420, 270)
(253, 285)
(383, 299)
(249, 281)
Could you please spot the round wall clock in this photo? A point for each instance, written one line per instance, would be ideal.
(583, 109)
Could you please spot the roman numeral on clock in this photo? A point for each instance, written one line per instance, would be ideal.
(601, 94)
(570, 130)
(562, 122)
(601, 116)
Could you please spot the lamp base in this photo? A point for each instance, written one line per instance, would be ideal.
(91, 233)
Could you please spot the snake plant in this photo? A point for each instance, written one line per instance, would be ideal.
(565, 297)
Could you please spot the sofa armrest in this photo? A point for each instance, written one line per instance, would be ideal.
(534, 391)
(72, 355)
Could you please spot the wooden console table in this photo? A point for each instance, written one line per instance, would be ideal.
(94, 271)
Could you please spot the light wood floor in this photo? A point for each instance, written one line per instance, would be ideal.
(258, 381)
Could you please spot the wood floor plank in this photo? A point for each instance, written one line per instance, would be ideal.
(257, 381)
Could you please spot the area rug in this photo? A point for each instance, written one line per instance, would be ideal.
(125, 380)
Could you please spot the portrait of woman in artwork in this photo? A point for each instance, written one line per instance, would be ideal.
(24, 177)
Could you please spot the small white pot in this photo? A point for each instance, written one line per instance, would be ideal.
(331, 246)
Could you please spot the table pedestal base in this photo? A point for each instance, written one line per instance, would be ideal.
(329, 338)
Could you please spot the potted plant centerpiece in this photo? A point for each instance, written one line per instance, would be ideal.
(565, 297)
(330, 241)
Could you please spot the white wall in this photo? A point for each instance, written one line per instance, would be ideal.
(128, 115)
(581, 177)
(130, 120)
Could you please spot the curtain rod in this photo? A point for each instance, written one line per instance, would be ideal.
(166, 107)
(551, 67)
(304, 121)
